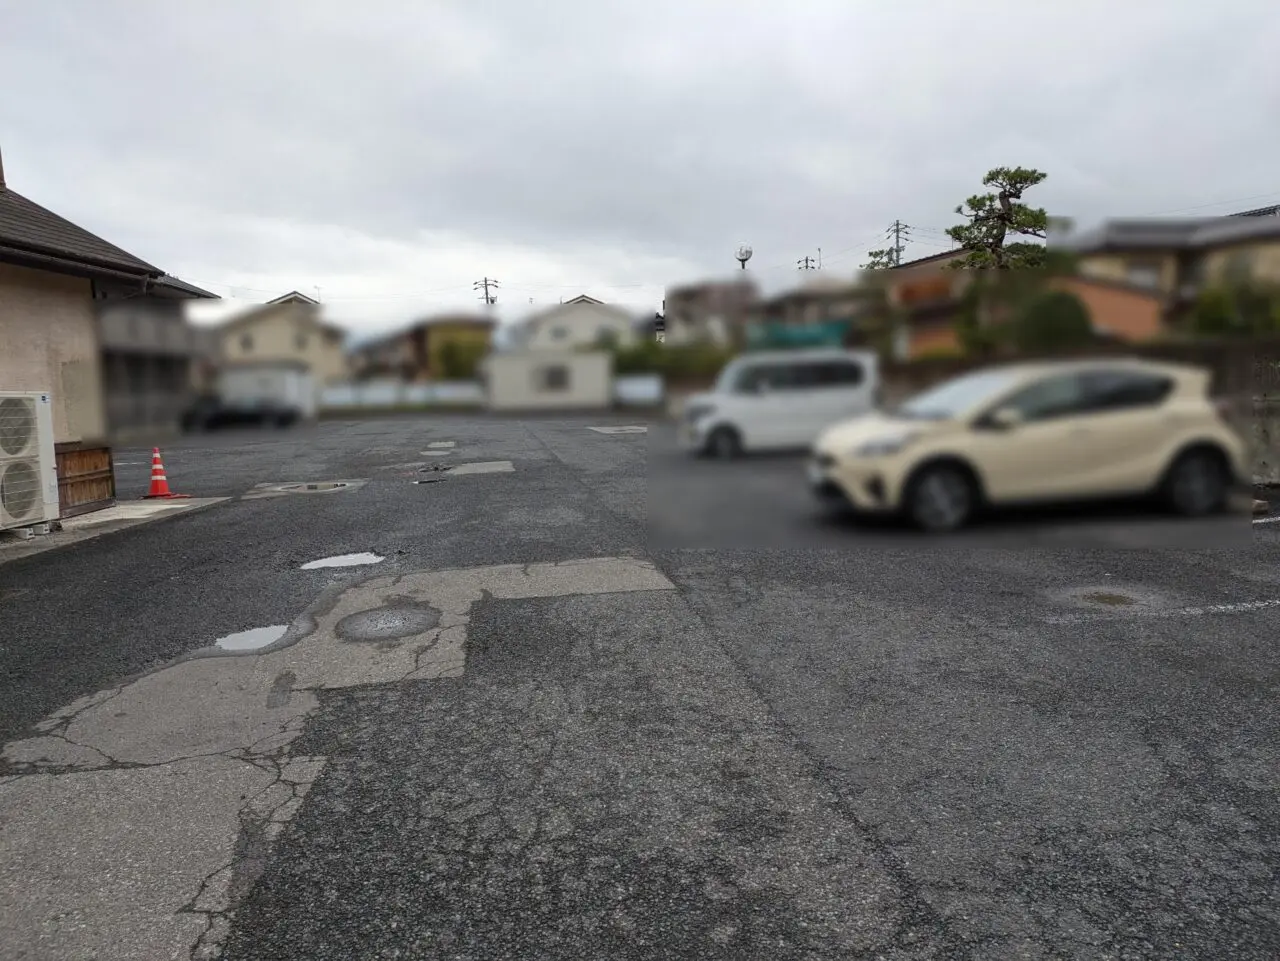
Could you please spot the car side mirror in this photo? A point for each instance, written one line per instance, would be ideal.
(1005, 418)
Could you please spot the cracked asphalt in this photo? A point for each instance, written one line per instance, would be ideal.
(539, 729)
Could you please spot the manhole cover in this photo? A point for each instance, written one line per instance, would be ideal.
(387, 623)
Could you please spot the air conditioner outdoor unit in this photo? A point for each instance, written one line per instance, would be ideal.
(28, 470)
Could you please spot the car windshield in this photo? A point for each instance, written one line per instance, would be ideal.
(953, 398)
(734, 377)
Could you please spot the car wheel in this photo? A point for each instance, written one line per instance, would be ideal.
(1197, 484)
(724, 443)
(941, 499)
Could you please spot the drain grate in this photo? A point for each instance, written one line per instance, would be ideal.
(322, 486)
(434, 468)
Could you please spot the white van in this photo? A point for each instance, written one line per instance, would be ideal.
(779, 400)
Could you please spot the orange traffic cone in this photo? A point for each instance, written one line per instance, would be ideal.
(159, 482)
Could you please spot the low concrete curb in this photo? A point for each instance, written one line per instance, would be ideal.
(123, 515)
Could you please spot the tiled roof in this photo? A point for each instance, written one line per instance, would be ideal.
(182, 287)
(1272, 211)
(27, 227)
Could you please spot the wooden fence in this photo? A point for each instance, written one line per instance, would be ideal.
(86, 478)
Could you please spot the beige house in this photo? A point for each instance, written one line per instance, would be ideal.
(577, 323)
(716, 312)
(287, 329)
(53, 277)
(1177, 257)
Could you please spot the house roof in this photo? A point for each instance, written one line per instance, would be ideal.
(261, 310)
(293, 297)
(582, 299)
(1272, 211)
(36, 235)
(183, 289)
(1174, 234)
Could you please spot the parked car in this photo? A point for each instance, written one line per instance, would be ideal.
(1037, 433)
(779, 400)
(211, 413)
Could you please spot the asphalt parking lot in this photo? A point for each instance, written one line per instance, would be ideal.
(557, 721)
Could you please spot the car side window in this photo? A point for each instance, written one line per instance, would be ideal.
(1058, 396)
(839, 373)
(1116, 390)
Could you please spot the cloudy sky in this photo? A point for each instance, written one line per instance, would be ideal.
(389, 153)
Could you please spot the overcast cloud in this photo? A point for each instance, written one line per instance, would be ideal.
(391, 152)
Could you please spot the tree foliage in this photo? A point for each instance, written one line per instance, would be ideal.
(1055, 320)
(459, 360)
(996, 216)
(880, 259)
(1235, 308)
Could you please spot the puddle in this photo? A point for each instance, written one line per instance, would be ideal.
(387, 623)
(251, 640)
(344, 560)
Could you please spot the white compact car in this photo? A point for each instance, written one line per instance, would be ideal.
(1064, 431)
(779, 400)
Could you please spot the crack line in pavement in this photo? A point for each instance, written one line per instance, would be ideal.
(245, 710)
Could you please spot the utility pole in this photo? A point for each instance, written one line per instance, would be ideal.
(484, 285)
(806, 264)
(899, 231)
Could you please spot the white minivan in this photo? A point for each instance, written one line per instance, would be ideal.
(779, 400)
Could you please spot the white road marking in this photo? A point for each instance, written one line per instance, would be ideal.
(637, 429)
(1240, 607)
(198, 753)
(484, 467)
(1267, 520)
(437, 444)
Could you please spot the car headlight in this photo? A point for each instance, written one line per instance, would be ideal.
(883, 446)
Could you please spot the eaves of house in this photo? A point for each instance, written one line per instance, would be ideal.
(34, 236)
(1172, 236)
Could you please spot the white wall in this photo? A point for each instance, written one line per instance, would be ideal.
(516, 381)
(284, 385)
(395, 393)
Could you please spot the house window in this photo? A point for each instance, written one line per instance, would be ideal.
(1144, 274)
(246, 342)
(549, 379)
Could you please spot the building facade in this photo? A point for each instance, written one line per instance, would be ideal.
(289, 328)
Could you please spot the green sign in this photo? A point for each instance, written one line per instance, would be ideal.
(773, 336)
